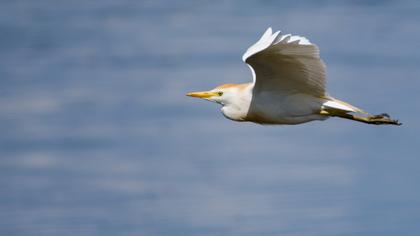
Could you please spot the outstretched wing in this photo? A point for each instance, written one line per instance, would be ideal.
(287, 63)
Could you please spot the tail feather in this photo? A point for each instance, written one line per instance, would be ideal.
(335, 104)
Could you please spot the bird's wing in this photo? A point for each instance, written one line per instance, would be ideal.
(286, 63)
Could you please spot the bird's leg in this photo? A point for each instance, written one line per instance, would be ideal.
(381, 119)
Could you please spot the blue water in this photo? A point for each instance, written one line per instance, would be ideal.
(97, 137)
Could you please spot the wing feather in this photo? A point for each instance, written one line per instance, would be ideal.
(287, 63)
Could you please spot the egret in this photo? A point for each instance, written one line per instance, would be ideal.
(288, 86)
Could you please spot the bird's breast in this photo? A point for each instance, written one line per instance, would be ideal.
(235, 113)
(274, 108)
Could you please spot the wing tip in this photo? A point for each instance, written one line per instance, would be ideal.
(258, 46)
(269, 38)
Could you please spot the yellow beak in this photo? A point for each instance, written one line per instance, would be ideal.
(205, 94)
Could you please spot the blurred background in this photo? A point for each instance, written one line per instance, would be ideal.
(98, 138)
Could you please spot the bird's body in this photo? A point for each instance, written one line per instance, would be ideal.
(259, 108)
(288, 86)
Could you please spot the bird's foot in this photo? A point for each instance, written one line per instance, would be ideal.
(381, 115)
(382, 119)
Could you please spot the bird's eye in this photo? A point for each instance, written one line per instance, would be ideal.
(220, 93)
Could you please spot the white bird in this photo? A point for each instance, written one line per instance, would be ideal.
(288, 86)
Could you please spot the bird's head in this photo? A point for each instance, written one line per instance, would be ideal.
(222, 94)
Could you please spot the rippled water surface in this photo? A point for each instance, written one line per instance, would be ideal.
(97, 137)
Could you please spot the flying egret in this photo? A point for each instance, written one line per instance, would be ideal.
(288, 86)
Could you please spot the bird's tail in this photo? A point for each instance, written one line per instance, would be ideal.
(336, 108)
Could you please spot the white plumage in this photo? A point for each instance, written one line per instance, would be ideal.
(291, 62)
(288, 86)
